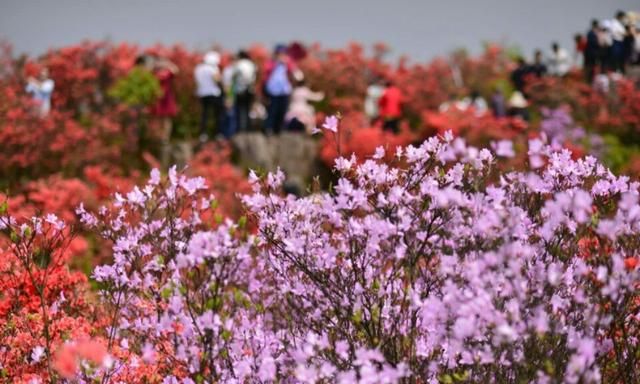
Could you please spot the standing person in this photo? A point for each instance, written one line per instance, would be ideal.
(629, 46)
(277, 88)
(617, 29)
(390, 105)
(559, 60)
(208, 90)
(519, 74)
(229, 126)
(592, 51)
(301, 115)
(244, 88)
(538, 68)
(498, 103)
(605, 39)
(374, 93)
(166, 107)
(41, 89)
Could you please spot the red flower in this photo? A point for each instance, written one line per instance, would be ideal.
(630, 263)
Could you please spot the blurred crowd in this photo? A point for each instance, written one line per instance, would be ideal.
(608, 50)
(239, 96)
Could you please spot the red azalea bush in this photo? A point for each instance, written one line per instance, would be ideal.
(224, 180)
(357, 137)
(35, 147)
(42, 303)
(477, 128)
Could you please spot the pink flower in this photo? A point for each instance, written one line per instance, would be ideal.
(155, 177)
(331, 123)
(37, 353)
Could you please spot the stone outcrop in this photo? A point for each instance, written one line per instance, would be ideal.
(295, 153)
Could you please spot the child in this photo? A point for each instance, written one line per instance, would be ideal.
(301, 115)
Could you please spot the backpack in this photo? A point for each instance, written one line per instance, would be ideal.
(242, 83)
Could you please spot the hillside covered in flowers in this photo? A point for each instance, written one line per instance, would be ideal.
(463, 248)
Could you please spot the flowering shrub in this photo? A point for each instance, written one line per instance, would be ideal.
(434, 267)
(452, 278)
(360, 139)
(477, 129)
(42, 303)
(222, 178)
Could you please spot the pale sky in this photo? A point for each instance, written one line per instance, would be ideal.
(418, 28)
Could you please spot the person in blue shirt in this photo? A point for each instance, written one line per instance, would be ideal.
(277, 89)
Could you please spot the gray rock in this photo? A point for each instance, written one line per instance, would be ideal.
(294, 153)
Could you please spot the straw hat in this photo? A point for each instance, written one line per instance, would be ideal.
(517, 100)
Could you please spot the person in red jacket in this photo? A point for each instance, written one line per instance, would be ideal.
(390, 107)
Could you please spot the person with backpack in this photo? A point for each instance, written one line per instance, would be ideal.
(243, 85)
(277, 88)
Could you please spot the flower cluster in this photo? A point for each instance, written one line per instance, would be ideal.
(434, 267)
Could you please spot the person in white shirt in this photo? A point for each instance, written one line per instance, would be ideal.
(375, 90)
(559, 62)
(243, 89)
(208, 90)
(618, 31)
(41, 90)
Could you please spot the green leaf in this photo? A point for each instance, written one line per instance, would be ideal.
(376, 285)
(548, 367)
(461, 376)
(166, 293)
(357, 316)
(242, 222)
(42, 257)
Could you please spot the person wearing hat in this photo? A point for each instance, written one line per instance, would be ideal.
(277, 88)
(208, 90)
(518, 106)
